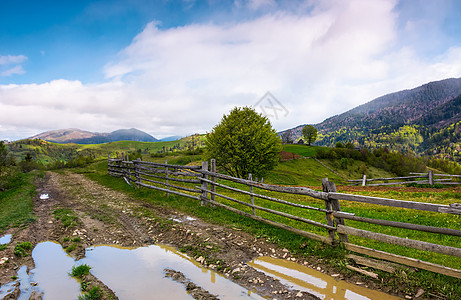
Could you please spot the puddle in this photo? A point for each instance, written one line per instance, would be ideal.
(132, 273)
(138, 273)
(52, 266)
(319, 284)
(190, 219)
(6, 239)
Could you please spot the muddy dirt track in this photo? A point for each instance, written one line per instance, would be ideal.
(113, 218)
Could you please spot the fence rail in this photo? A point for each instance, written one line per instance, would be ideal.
(431, 179)
(239, 196)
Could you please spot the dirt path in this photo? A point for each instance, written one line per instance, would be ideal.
(104, 216)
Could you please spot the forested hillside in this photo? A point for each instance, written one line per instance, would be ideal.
(424, 120)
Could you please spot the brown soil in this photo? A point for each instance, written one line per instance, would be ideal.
(109, 217)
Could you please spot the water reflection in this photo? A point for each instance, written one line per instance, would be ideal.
(132, 273)
(6, 239)
(52, 266)
(139, 273)
(317, 283)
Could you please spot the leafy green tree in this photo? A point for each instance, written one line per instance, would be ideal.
(3, 155)
(309, 134)
(244, 142)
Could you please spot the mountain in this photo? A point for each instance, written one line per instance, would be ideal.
(425, 120)
(78, 136)
(171, 138)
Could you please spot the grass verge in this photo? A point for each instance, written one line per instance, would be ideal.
(16, 202)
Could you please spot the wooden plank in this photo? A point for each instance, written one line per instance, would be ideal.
(373, 263)
(176, 173)
(454, 208)
(398, 183)
(204, 196)
(213, 178)
(173, 186)
(171, 166)
(166, 176)
(364, 272)
(276, 212)
(416, 263)
(252, 198)
(447, 175)
(400, 241)
(171, 178)
(171, 191)
(388, 202)
(418, 227)
(327, 186)
(268, 197)
(388, 178)
(313, 236)
(276, 188)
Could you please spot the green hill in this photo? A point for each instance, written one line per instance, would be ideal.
(425, 120)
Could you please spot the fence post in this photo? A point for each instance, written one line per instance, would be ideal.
(204, 196)
(250, 177)
(213, 179)
(329, 208)
(331, 187)
(109, 166)
(137, 172)
(431, 177)
(166, 176)
(364, 180)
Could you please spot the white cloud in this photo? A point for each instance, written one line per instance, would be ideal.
(11, 65)
(182, 80)
(12, 59)
(12, 71)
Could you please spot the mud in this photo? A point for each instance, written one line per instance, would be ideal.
(112, 218)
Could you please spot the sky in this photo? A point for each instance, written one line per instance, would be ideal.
(175, 67)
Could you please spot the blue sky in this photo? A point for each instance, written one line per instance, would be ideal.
(175, 67)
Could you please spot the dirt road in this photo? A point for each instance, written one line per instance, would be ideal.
(102, 216)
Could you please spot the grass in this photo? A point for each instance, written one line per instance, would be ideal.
(22, 249)
(303, 150)
(94, 293)
(68, 217)
(3, 247)
(300, 172)
(334, 255)
(16, 202)
(80, 271)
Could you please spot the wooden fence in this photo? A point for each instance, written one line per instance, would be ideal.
(204, 184)
(420, 178)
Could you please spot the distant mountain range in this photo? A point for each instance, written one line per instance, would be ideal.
(425, 120)
(77, 136)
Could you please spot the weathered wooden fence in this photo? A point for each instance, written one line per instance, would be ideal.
(204, 184)
(420, 178)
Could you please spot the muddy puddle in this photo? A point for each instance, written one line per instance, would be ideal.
(317, 283)
(6, 239)
(132, 273)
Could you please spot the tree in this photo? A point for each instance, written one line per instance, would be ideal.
(244, 142)
(309, 134)
(3, 155)
(287, 137)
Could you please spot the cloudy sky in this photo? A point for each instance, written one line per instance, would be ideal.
(174, 67)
